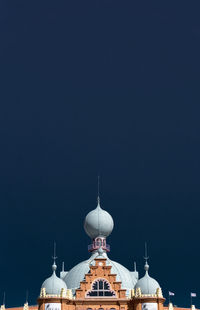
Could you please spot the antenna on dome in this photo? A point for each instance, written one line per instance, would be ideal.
(98, 194)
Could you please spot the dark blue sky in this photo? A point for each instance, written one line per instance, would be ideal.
(109, 88)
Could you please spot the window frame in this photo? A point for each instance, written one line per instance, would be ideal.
(104, 292)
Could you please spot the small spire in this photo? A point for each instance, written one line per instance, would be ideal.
(135, 269)
(4, 298)
(26, 296)
(54, 267)
(63, 266)
(54, 252)
(98, 194)
(146, 266)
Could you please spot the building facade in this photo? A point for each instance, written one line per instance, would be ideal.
(99, 283)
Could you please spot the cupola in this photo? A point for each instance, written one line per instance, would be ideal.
(147, 285)
(98, 225)
(53, 285)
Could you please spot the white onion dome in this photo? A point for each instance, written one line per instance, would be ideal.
(53, 284)
(147, 284)
(98, 223)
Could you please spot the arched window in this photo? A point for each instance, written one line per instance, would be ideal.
(98, 242)
(101, 288)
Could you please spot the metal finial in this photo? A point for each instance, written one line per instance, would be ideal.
(54, 252)
(26, 296)
(4, 298)
(54, 267)
(63, 266)
(98, 194)
(146, 266)
(135, 269)
(145, 252)
(98, 184)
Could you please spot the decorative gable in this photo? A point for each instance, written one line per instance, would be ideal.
(100, 283)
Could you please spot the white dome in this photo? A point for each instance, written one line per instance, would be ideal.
(147, 284)
(77, 273)
(98, 223)
(53, 284)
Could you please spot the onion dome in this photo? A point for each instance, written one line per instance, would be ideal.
(147, 284)
(53, 284)
(98, 223)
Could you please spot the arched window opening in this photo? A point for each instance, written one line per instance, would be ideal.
(101, 288)
(98, 242)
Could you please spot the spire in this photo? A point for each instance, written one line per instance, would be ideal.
(26, 296)
(3, 305)
(146, 266)
(54, 267)
(63, 266)
(4, 298)
(135, 269)
(98, 195)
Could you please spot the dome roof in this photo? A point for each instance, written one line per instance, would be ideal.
(53, 284)
(98, 223)
(77, 273)
(147, 284)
